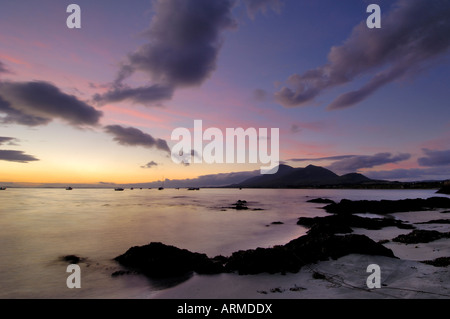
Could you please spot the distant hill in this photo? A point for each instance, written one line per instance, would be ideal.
(310, 176)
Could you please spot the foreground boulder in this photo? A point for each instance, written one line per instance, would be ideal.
(159, 260)
(346, 206)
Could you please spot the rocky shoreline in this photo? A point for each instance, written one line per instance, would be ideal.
(328, 237)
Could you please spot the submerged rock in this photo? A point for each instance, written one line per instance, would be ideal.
(71, 259)
(321, 201)
(240, 204)
(438, 262)
(436, 221)
(421, 236)
(346, 206)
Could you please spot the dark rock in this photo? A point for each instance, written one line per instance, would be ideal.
(444, 190)
(159, 260)
(438, 262)
(421, 236)
(321, 201)
(121, 273)
(277, 223)
(302, 251)
(318, 275)
(342, 223)
(240, 205)
(436, 221)
(329, 228)
(346, 206)
(71, 259)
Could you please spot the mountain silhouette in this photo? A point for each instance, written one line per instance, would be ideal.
(310, 176)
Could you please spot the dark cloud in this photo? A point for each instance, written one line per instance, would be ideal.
(9, 140)
(142, 95)
(355, 163)
(16, 156)
(130, 136)
(183, 43)
(150, 164)
(13, 115)
(253, 6)
(413, 34)
(435, 158)
(38, 103)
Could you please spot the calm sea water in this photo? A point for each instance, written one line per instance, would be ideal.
(38, 226)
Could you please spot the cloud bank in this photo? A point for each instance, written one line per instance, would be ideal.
(413, 34)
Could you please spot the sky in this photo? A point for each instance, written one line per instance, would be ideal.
(98, 104)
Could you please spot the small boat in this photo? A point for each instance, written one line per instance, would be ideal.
(69, 188)
(2, 188)
(118, 189)
(162, 187)
(193, 189)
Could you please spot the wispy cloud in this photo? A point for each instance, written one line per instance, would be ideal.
(3, 68)
(255, 6)
(9, 140)
(352, 163)
(148, 95)
(413, 34)
(327, 158)
(355, 163)
(149, 164)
